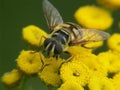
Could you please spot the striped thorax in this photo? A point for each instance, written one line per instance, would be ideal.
(59, 40)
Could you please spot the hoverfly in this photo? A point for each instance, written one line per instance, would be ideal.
(66, 34)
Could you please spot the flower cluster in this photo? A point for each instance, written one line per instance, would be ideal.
(85, 70)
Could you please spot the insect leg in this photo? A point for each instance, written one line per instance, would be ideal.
(56, 56)
(68, 60)
(40, 43)
(33, 52)
(83, 45)
(43, 64)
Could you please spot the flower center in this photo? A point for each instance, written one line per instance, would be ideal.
(118, 43)
(30, 61)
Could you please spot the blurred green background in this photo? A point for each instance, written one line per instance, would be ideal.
(16, 14)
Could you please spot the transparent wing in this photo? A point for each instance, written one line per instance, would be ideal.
(52, 16)
(89, 35)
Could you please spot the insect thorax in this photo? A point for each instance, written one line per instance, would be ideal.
(60, 38)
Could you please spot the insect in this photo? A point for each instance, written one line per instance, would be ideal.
(66, 34)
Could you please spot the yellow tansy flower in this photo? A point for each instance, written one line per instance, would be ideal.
(50, 74)
(10, 78)
(76, 72)
(110, 3)
(34, 35)
(93, 17)
(100, 83)
(90, 60)
(114, 42)
(116, 81)
(75, 50)
(70, 85)
(94, 44)
(29, 61)
(110, 61)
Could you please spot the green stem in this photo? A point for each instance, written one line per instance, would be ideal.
(49, 88)
(22, 83)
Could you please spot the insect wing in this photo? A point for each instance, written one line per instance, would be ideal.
(52, 16)
(90, 35)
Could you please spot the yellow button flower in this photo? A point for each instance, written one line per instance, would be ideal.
(29, 61)
(110, 61)
(50, 73)
(114, 42)
(11, 78)
(116, 81)
(110, 3)
(75, 72)
(70, 85)
(100, 83)
(34, 35)
(93, 17)
(75, 50)
(90, 60)
(94, 44)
